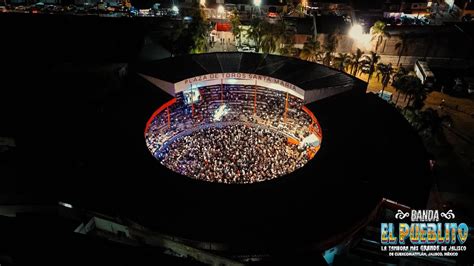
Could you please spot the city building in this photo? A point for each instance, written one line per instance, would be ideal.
(417, 7)
(334, 7)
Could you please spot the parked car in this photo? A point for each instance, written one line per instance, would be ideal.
(246, 49)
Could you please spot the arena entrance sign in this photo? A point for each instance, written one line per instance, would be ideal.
(231, 79)
(240, 79)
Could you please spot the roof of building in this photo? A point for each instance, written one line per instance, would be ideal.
(88, 150)
(416, 1)
(423, 29)
(263, 3)
(335, 1)
(367, 4)
(325, 24)
(364, 138)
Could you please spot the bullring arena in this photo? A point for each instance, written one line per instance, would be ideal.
(252, 153)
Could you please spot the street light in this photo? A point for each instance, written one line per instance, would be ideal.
(257, 4)
(175, 9)
(220, 9)
(356, 32)
(361, 39)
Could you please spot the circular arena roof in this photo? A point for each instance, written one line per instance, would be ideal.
(369, 152)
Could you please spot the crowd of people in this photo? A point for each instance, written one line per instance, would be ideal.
(233, 154)
(252, 148)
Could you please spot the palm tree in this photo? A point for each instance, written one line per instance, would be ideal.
(332, 40)
(418, 98)
(356, 61)
(384, 74)
(286, 37)
(433, 122)
(287, 47)
(256, 32)
(274, 36)
(300, 10)
(377, 31)
(235, 21)
(342, 61)
(369, 62)
(290, 51)
(428, 123)
(269, 43)
(330, 46)
(294, 11)
(350, 62)
(409, 85)
(199, 29)
(400, 73)
(402, 46)
(327, 58)
(290, 6)
(311, 50)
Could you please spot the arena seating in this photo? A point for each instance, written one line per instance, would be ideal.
(257, 119)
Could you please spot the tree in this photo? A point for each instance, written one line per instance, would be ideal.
(368, 64)
(286, 40)
(332, 40)
(418, 98)
(294, 11)
(311, 50)
(190, 37)
(409, 85)
(256, 32)
(300, 10)
(402, 46)
(235, 22)
(400, 73)
(330, 46)
(342, 61)
(377, 31)
(355, 62)
(433, 122)
(269, 43)
(290, 51)
(199, 30)
(274, 36)
(171, 41)
(384, 74)
(289, 6)
(327, 58)
(427, 123)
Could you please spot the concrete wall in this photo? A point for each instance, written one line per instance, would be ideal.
(409, 61)
(452, 44)
(344, 45)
